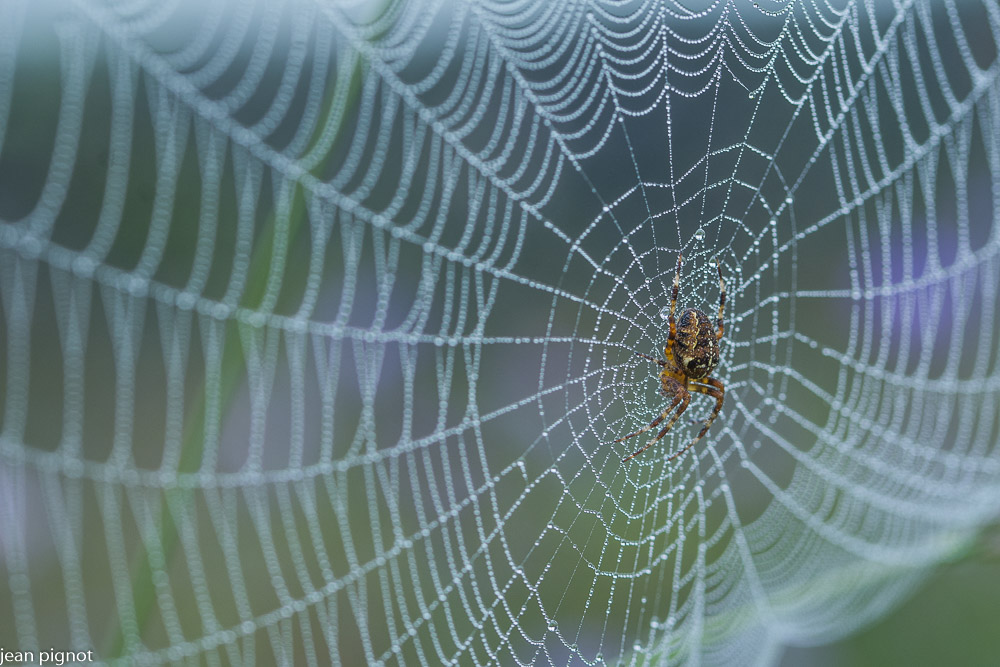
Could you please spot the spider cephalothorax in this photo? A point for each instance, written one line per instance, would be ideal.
(692, 352)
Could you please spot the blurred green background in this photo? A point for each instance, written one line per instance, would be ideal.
(954, 618)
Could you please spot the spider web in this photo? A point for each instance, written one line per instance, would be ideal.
(317, 321)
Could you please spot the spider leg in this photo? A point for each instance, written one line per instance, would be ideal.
(716, 390)
(681, 397)
(653, 424)
(668, 349)
(653, 359)
(722, 301)
(673, 306)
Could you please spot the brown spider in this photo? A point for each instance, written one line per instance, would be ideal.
(692, 351)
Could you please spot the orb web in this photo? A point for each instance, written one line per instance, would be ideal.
(319, 321)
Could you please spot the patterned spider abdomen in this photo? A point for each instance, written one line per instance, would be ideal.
(697, 348)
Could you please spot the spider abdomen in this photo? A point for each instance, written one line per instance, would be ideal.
(697, 349)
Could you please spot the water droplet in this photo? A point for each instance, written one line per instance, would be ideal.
(751, 94)
(637, 647)
(665, 313)
(137, 286)
(84, 266)
(788, 199)
(31, 248)
(552, 626)
(700, 234)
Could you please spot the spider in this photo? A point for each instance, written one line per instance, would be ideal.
(692, 352)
